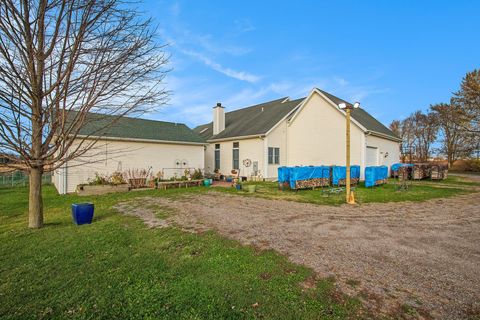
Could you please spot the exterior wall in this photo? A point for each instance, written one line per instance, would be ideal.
(252, 149)
(109, 156)
(277, 139)
(317, 136)
(209, 158)
(384, 146)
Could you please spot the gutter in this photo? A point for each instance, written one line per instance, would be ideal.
(252, 136)
(383, 135)
(143, 140)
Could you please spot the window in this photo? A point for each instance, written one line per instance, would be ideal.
(273, 155)
(217, 156)
(236, 156)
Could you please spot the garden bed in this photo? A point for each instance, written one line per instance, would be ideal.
(179, 184)
(91, 190)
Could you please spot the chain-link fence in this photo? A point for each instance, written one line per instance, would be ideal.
(19, 178)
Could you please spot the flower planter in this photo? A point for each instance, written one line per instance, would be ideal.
(91, 190)
(82, 213)
(138, 182)
(252, 188)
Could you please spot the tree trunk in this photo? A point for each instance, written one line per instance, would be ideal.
(450, 162)
(35, 200)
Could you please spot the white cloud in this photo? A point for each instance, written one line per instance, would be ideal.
(239, 75)
(340, 81)
(244, 25)
(175, 9)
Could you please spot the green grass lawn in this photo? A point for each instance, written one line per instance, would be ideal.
(116, 268)
(418, 191)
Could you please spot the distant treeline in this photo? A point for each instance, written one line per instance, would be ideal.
(449, 130)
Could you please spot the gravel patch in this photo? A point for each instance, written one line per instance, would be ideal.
(422, 256)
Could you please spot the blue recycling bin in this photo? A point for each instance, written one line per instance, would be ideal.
(82, 213)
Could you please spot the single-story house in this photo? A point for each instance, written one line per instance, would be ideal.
(256, 140)
(132, 143)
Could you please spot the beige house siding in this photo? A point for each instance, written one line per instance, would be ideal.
(384, 146)
(209, 158)
(277, 138)
(252, 149)
(316, 136)
(109, 156)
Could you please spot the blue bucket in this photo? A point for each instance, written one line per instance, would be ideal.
(82, 213)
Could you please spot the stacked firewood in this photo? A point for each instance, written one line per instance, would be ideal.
(343, 182)
(380, 182)
(402, 171)
(312, 183)
(438, 172)
(421, 171)
(429, 171)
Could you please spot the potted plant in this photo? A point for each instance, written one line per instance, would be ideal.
(237, 184)
(82, 213)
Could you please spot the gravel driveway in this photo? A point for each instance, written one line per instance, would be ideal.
(423, 258)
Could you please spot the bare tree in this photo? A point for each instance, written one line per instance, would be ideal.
(455, 141)
(468, 97)
(61, 60)
(425, 130)
(408, 138)
(396, 127)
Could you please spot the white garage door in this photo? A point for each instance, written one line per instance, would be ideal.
(372, 156)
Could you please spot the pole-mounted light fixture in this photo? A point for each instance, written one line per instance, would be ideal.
(350, 198)
(344, 105)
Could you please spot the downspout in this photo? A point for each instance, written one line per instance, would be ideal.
(265, 157)
(65, 180)
(363, 155)
(286, 143)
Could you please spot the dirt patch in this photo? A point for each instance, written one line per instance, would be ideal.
(146, 213)
(422, 255)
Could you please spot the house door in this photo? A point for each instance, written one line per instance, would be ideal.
(372, 156)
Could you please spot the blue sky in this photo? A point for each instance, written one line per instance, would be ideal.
(393, 56)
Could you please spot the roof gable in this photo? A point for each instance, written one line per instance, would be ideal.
(362, 117)
(250, 121)
(136, 128)
(259, 119)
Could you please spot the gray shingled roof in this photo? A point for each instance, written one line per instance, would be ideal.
(136, 128)
(254, 120)
(363, 117)
(259, 119)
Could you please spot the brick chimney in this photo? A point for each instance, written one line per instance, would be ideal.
(218, 118)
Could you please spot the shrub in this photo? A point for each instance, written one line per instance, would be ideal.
(117, 178)
(99, 179)
(197, 174)
(471, 165)
(104, 179)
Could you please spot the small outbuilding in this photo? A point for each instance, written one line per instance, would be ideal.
(132, 144)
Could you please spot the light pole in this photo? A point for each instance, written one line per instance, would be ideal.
(349, 197)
